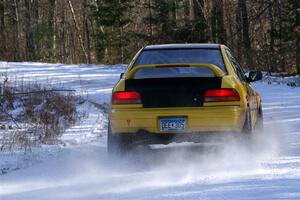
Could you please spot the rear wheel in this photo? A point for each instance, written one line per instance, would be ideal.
(247, 134)
(248, 128)
(259, 126)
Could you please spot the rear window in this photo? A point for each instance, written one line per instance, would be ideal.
(173, 72)
(169, 56)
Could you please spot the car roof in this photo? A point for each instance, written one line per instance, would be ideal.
(183, 46)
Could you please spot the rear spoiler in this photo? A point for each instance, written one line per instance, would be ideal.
(216, 70)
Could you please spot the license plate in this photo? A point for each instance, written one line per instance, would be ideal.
(173, 124)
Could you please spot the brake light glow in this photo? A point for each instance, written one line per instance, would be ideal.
(221, 95)
(126, 98)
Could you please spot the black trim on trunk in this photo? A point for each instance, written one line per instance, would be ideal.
(173, 92)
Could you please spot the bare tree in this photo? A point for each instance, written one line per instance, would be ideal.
(2, 31)
(78, 31)
(191, 10)
(30, 6)
(298, 38)
(15, 26)
(217, 22)
(245, 31)
(86, 29)
(51, 29)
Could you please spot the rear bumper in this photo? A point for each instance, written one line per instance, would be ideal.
(202, 119)
(144, 137)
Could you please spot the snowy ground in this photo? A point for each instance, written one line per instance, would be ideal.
(82, 170)
(282, 78)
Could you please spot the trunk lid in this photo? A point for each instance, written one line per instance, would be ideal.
(173, 85)
(173, 92)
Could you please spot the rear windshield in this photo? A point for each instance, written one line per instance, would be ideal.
(169, 56)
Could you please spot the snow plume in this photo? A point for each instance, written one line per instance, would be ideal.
(178, 164)
(165, 166)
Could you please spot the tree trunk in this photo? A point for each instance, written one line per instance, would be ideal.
(29, 32)
(51, 30)
(245, 32)
(2, 32)
(298, 54)
(272, 64)
(239, 36)
(175, 11)
(213, 23)
(217, 22)
(64, 54)
(298, 38)
(280, 36)
(78, 31)
(15, 32)
(86, 29)
(220, 22)
(191, 10)
(150, 21)
(121, 43)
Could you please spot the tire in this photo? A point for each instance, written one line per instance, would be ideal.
(249, 131)
(116, 144)
(259, 126)
(248, 128)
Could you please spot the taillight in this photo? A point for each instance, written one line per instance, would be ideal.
(126, 98)
(221, 95)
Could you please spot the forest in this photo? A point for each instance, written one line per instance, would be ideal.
(263, 34)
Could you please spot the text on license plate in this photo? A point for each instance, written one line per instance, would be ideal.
(173, 124)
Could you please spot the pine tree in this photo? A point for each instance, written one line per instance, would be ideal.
(111, 20)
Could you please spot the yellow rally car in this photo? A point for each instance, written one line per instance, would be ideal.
(182, 92)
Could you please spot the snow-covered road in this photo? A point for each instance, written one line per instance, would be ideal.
(82, 169)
